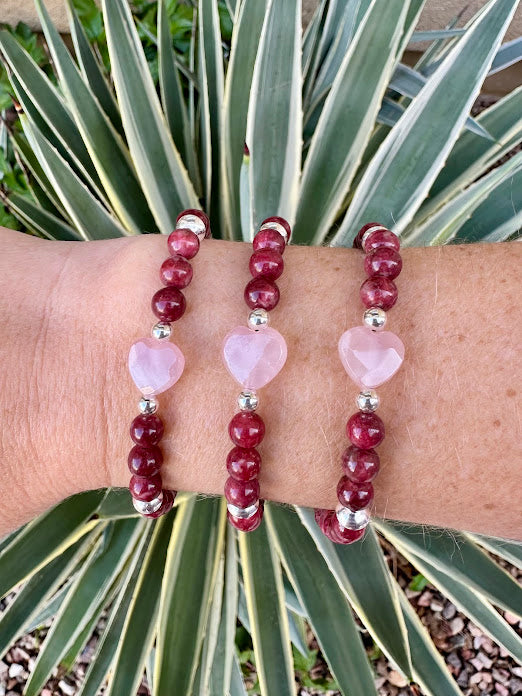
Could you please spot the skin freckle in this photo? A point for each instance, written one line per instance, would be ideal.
(496, 423)
(511, 392)
(461, 338)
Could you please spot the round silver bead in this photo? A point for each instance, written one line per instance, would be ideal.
(258, 319)
(148, 507)
(375, 318)
(248, 400)
(148, 405)
(369, 232)
(194, 223)
(367, 401)
(162, 330)
(243, 513)
(352, 520)
(275, 226)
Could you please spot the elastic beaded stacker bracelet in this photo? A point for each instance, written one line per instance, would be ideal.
(254, 355)
(371, 357)
(155, 364)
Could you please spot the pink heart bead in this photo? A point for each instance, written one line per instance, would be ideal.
(370, 357)
(254, 358)
(155, 365)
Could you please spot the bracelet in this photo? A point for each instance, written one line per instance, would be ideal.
(254, 355)
(155, 364)
(371, 357)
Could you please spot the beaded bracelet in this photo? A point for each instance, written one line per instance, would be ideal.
(254, 355)
(371, 357)
(155, 364)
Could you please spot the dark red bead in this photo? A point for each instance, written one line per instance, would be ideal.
(365, 430)
(343, 535)
(145, 461)
(266, 263)
(360, 465)
(261, 293)
(166, 505)
(176, 271)
(145, 487)
(183, 242)
(243, 464)
(281, 221)
(357, 242)
(246, 429)
(355, 496)
(241, 493)
(168, 304)
(247, 525)
(269, 239)
(382, 238)
(383, 261)
(198, 213)
(321, 517)
(146, 429)
(378, 292)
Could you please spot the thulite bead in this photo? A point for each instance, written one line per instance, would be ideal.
(176, 271)
(166, 505)
(247, 524)
(261, 292)
(360, 465)
(355, 496)
(378, 292)
(241, 493)
(145, 487)
(145, 461)
(321, 516)
(381, 238)
(146, 429)
(365, 430)
(266, 263)
(243, 464)
(342, 535)
(383, 261)
(246, 429)
(269, 239)
(357, 242)
(183, 242)
(168, 304)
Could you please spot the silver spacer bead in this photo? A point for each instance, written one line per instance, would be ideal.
(161, 330)
(258, 319)
(375, 318)
(148, 405)
(367, 401)
(248, 400)
(368, 233)
(194, 223)
(277, 227)
(352, 520)
(243, 513)
(147, 507)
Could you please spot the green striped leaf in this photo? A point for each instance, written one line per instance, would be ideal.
(41, 221)
(511, 551)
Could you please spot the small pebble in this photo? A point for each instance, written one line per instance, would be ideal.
(15, 670)
(66, 688)
(501, 690)
(449, 611)
(397, 679)
(456, 625)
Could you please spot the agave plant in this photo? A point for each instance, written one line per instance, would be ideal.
(339, 132)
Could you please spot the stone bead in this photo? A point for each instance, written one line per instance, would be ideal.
(243, 464)
(193, 212)
(360, 465)
(381, 238)
(370, 358)
(254, 358)
(379, 292)
(145, 461)
(166, 505)
(241, 493)
(183, 242)
(355, 496)
(357, 242)
(247, 524)
(266, 224)
(261, 292)
(168, 304)
(155, 365)
(266, 263)
(365, 430)
(145, 487)
(146, 507)
(343, 535)
(269, 239)
(246, 429)
(146, 429)
(383, 261)
(321, 517)
(176, 271)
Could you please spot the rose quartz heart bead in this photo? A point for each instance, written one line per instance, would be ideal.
(155, 365)
(369, 357)
(254, 358)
